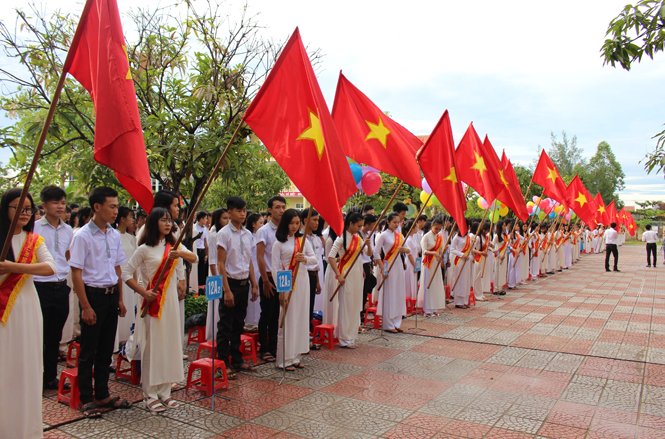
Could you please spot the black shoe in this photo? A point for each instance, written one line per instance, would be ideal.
(617, 270)
(53, 385)
(608, 270)
(649, 266)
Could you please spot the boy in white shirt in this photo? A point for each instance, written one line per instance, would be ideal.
(651, 238)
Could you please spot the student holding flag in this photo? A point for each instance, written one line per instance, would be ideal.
(501, 243)
(433, 298)
(460, 248)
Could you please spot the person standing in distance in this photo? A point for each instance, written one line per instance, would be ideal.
(610, 236)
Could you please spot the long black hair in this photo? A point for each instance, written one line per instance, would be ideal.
(351, 218)
(5, 222)
(217, 218)
(282, 233)
(251, 219)
(151, 233)
(123, 211)
(499, 230)
(85, 213)
(389, 219)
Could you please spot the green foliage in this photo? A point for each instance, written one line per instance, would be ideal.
(195, 305)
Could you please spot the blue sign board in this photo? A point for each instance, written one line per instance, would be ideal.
(284, 281)
(419, 264)
(214, 287)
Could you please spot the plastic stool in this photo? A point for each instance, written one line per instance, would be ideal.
(73, 360)
(323, 335)
(248, 348)
(204, 382)
(472, 298)
(447, 292)
(255, 337)
(208, 345)
(378, 321)
(371, 309)
(409, 306)
(70, 396)
(492, 287)
(200, 336)
(130, 373)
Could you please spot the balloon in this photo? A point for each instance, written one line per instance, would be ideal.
(503, 211)
(426, 186)
(538, 210)
(423, 198)
(530, 204)
(359, 185)
(357, 172)
(366, 169)
(371, 183)
(411, 210)
(350, 160)
(541, 215)
(372, 169)
(536, 199)
(567, 217)
(495, 217)
(435, 200)
(552, 215)
(482, 203)
(529, 209)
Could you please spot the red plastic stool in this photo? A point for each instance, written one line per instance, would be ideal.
(248, 348)
(70, 396)
(409, 306)
(447, 292)
(323, 335)
(204, 382)
(315, 323)
(255, 337)
(130, 373)
(492, 287)
(472, 298)
(378, 321)
(73, 360)
(200, 336)
(208, 345)
(371, 309)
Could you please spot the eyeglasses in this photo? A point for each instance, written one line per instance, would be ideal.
(166, 221)
(27, 210)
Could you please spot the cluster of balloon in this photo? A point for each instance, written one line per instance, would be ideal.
(367, 178)
(425, 194)
(542, 207)
(497, 209)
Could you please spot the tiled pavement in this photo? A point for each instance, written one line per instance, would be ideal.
(577, 355)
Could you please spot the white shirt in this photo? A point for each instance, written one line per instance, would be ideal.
(97, 254)
(266, 235)
(650, 237)
(317, 247)
(57, 240)
(212, 247)
(238, 245)
(365, 258)
(199, 244)
(610, 236)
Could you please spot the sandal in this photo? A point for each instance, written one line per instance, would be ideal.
(268, 358)
(171, 403)
(91, 411)
(288, 368)
(113, 403)
(298, 365)
(230, 375)
(156, 406)
(399, 329)
(315, 347)
(244, 367)
(392, 331)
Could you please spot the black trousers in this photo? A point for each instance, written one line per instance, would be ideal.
(269, 320)
(368, 286)
(203, 266)
(313, 282)
(611, 249)
(54, 301)
(97, 345)
(651, 249)
(232, 322)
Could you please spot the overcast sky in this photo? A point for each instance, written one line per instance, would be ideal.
(518, 70)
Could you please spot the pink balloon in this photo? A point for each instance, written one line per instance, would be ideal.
(371, 183)
(426, 186)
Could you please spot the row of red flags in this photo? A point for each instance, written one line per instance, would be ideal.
(291, 117)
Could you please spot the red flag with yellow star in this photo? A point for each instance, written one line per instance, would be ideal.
(602, 216)
(580, 200)
(547, 176)
(512, 195)
(475, 167)
(612, 213)
(98, 59)
(291, 118)
(371, 137)
(631, 226)
(437, 161)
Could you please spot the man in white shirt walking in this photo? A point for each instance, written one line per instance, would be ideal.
(650, 237)
(610, 237)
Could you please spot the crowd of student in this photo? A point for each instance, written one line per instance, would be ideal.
(111, 257)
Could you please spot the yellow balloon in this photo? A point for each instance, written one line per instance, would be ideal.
(423, 198)
(503, 211)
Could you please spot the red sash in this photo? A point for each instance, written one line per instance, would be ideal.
(155, 308)
(465, 250)
(504, 246)
(351, 251)
(13, 282)
(478, 257)
(515, 248)
(428, 259)
(544, 245)
(394, 250)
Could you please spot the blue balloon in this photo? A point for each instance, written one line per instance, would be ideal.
(357, 172)
(552, 214)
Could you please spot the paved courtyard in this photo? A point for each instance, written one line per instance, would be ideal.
(577, 355)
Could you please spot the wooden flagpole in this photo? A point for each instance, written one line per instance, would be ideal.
(407, 237)
(33, 165)
(192, 213)
(376, 224)
(470, 250)
(295, 271)
(443, 250)
(492, 226)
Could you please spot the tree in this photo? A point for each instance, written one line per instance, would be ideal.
(566, 155)
(194, 76)
(637, 31)
(604, 175)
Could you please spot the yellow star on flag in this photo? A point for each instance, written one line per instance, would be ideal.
(601, 209)
(129, 70)
(581, 199)
(378, 132)
(314, 133)
(553, 175)
(479, 165)
(631, 226)
(503, 179)
(452, 176)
